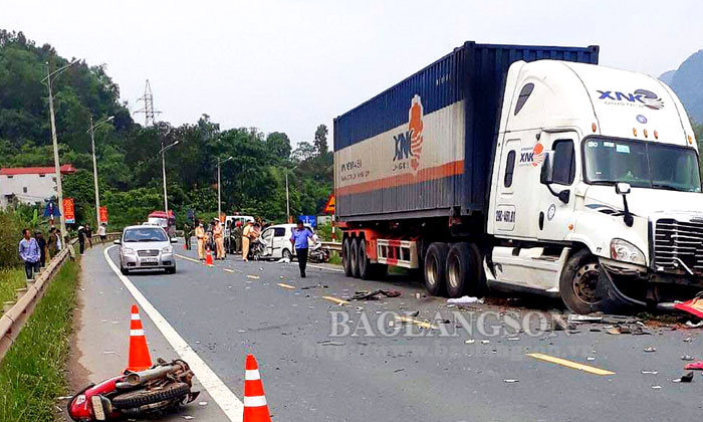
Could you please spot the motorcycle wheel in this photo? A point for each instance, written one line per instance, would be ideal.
(139, 398)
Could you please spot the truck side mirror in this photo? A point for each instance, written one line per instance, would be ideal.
(546, 176)
(622, 188)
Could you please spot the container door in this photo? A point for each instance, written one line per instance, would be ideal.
(556, 217)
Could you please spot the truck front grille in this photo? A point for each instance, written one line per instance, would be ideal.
(678, 245)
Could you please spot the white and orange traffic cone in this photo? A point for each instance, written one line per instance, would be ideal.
(255, 407)
(208, 258)
(139, 357)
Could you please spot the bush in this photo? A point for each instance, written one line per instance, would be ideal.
(11, 225)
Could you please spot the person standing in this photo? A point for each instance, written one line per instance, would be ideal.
(81, 239)
(238, 237)
(29, 253)
(299, 240)
(42, 247)
(219, 240)
(246, 238)
(187, 233)
(102, 232)
(200, 235)
(52, 244)
(89, 235)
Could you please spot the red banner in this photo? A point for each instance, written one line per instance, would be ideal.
(69, 212)
(103, 214)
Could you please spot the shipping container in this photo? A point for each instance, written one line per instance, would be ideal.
(423, 147)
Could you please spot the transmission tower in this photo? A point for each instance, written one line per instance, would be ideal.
(148, 109)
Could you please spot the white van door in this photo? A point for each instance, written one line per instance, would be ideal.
(267, 239)
(279, 240)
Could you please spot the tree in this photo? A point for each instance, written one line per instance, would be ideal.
(279, 144)
(305, 151)
(321, 140)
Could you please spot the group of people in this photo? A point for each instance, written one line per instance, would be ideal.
(244, 237)
(36, 250)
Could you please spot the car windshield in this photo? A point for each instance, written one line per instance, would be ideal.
(642, 164)
(145, 234)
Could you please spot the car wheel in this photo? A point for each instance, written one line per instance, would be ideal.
(124, 270)
(171, 270)
(579, 284)
(354, 258)
(434, 268)
(346, 258)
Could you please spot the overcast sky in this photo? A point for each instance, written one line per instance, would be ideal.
(291, 65)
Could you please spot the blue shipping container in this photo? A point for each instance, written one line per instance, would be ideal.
(457, 99)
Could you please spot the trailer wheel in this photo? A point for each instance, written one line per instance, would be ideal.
(365, 267)
(346, 261)
(435, 265)
(354, 258)
(578, 284)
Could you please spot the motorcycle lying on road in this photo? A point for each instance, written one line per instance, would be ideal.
(318, 254)
(162, 388)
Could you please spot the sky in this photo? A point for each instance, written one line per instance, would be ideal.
(291, 65)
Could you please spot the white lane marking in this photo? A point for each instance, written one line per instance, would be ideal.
(232, 407)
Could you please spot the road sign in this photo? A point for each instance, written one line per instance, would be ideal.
(309, 220)
(69, 211)
(103, 215)
(330, 206)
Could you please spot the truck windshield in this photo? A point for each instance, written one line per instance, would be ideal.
(642, 164)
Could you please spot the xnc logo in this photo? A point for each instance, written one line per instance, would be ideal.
(408, 144)
(640, 96)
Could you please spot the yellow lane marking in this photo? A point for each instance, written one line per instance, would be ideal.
(421, 324)
(286, 286)
(570, 364)
(255, 277)
(228, 270)
(188, 258)
(335, 300)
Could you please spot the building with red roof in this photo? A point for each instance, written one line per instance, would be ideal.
(29, 184)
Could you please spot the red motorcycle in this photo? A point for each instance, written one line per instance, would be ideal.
(162, 388)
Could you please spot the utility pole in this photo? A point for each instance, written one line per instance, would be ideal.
(219, 189)
(163, 169)
(148, 110)
(55, 142)
(95, 166)
(288, 195)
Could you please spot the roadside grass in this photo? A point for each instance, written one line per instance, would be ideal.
(11, 279)
(33, 373)
(335, 258)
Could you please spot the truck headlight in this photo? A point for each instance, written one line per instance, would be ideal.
(622, 250)
(167, 249)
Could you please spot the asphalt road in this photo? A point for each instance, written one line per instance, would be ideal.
(235, 308)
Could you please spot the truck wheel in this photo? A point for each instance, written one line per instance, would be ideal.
(578, 284)
(462, 274)
(435, 265)
(346, 261)
(354, 258)
(366, 269)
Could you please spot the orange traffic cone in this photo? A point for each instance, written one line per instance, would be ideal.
(139, 358)
(208, 258)
(255, 407)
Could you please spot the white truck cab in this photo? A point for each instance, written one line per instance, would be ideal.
(596, 188)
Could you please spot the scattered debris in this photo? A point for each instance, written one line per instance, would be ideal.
(650, 349)
(315, 286)
(510, 381)
(687, 340)
(62, 398)
(399, 370)
(464, 300)
(650, 372)
(374, 294)
(470, 341)
(691, 324)
(656, 387)
(693, 307)
(513, 338)
(330, 343)
(686, 378)
(283, 260)
(414, 314)
(590, 358)
(485, 341)
(202, 403)
(255, 277)
(687, 358)
(696, 366)
(580, 319)
(188, 418)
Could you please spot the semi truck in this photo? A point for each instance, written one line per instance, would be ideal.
(527, 169)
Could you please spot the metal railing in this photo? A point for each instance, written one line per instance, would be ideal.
(333, 246)
(14, 316)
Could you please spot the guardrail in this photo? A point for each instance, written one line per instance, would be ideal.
(333, 246)
(14, 317)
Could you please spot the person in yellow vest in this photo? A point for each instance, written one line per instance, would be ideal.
(200, 235)
(217, 233)
(246, 238)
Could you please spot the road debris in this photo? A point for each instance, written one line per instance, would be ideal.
(691, 324)
(650, 349)
(510, 381)
(315, 286)
(373, 294)
(656, 387)
(693, 307)
(581, 319)
(421, 324)
(252, 276)
(470, 341)
(464, 300)
(283, 260)
(687, 340)
(686, 378)
(687, 358)
(330, 343)
(696, 366)
(650, 372)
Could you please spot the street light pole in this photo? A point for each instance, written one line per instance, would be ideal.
(95, 166)
(288, 195)
(219, 189)
(163, 168)
(55, 142)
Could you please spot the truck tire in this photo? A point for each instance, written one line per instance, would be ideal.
(346, 257)
(354, 257)
(434, 268)
(463, 272)
(135, 399)
(578, 284)
(366, 269)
